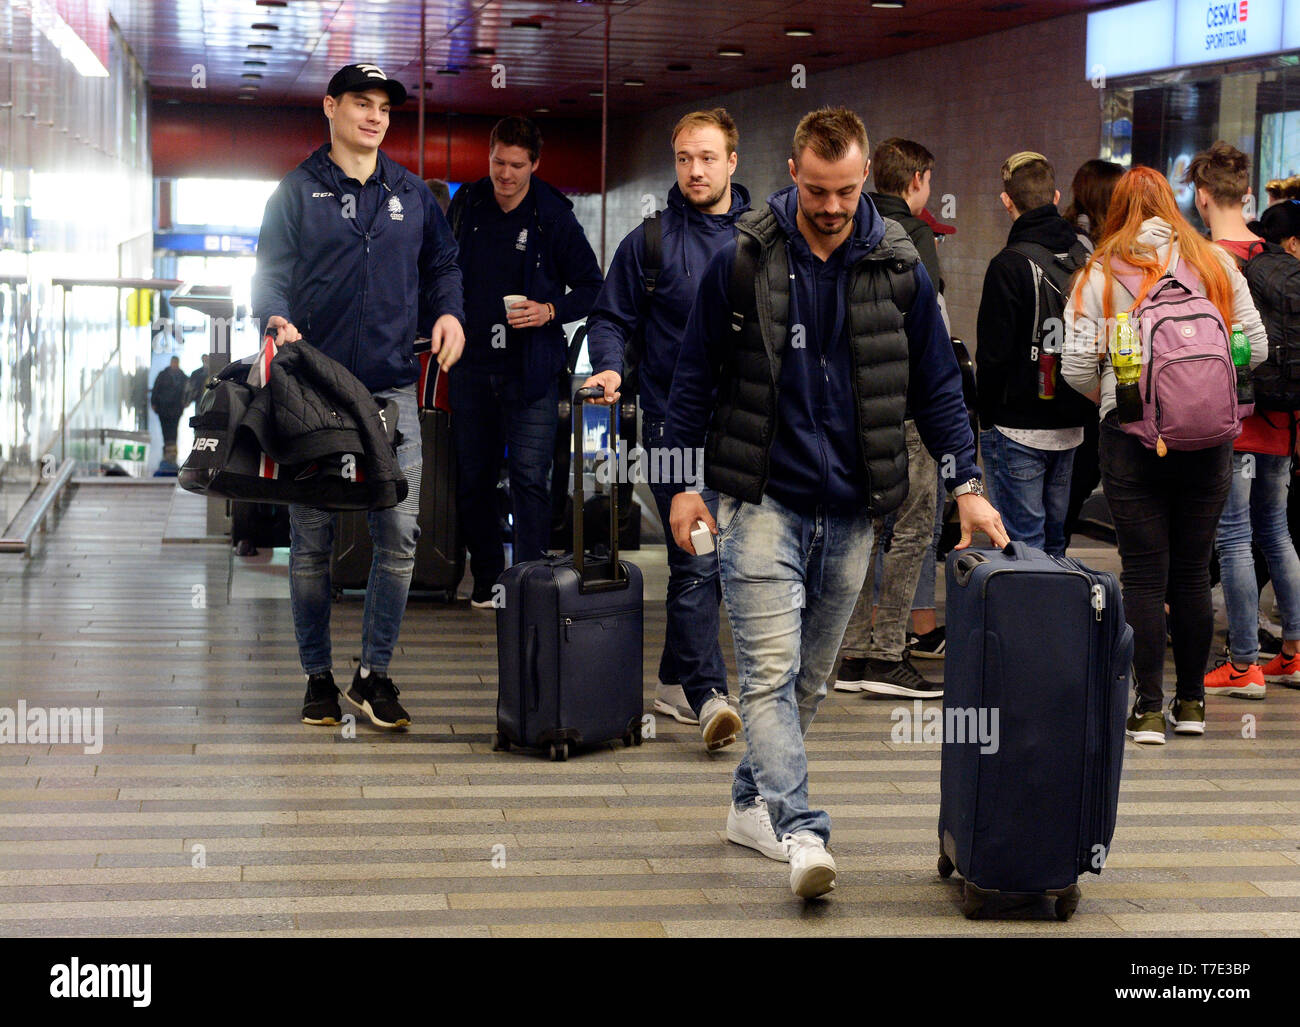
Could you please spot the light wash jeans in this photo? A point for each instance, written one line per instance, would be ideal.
(1257, 505)
(790, 581)
(393, 531)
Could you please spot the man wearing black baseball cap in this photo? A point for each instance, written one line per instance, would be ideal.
(356, 258)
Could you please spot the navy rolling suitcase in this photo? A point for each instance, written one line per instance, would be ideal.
(1035, 694)
(569, 640)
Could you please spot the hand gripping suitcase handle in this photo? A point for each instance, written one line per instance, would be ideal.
(579, 496)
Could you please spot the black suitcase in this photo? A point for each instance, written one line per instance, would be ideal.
(259, 525)
(569, 641)
(1030, 802)
(439, 555)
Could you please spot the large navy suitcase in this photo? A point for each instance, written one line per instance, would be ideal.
(569, 639)
(1038, 671)
(439, 553)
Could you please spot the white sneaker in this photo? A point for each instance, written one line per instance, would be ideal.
(720, 721)
(670, 700)
(753, 827)
(812, 869)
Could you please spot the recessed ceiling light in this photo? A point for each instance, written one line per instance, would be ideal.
(887, 5)
(265, 26)
(259, 46)
(596, 93)
(679, 67)
(246, 96)
(541, 110)
(251, 74)
(730, 51)
(522, 23)
(798, 32)
(255, 64)
(634, 82)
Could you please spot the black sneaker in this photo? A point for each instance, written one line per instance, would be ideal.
(376, 697)
(321, 703)
(929, 646)
(851, 673)
(884, 677)
(482, 598)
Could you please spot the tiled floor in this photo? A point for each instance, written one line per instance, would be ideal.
(212, 810)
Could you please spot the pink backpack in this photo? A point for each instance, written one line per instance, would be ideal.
(1188, 381)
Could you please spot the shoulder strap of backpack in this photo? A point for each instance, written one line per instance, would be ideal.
(652, 257)
(741, 287)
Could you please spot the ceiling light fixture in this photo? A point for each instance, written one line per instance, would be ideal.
(888, 5)
(798, 32)
(265, 26)
(260, 46)
(634, 82)
(730, 51)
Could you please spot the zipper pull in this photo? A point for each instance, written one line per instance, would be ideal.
(1098, 599)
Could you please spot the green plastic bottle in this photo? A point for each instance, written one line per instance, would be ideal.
(1240, 346)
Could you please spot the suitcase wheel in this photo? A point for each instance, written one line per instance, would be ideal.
(972, 900)
(500, 743)
(946, 866)
(559, 751)
(1067, 903)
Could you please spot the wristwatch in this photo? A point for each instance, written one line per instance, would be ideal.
(975, 487)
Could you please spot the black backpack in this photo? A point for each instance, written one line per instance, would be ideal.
(1054, 275)
(652, 262)
(1274, 279)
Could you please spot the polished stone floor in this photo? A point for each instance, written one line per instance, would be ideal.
(212, 811)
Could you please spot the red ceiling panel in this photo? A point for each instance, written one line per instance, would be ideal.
(562, 60)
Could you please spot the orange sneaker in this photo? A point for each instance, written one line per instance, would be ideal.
(1226, 679)
(1283, 670)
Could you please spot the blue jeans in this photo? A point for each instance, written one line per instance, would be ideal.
(790, 582)
(489, 415)
(692, 656)
(393, 532)
(1030, 489)
(1257, 504)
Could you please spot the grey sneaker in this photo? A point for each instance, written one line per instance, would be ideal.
(720, 721)
(670, 700)
(752, 827)
(886, 677)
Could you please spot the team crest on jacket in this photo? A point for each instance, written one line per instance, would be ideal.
(395, 208)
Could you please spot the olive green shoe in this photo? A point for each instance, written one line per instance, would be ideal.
(1187, 717)
(1146, 728)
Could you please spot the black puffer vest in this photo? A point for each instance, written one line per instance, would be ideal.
(881, 289)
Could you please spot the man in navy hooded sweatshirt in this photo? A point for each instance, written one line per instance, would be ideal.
(356, 258)
(702, 210)
(518, 237)
(798, 368)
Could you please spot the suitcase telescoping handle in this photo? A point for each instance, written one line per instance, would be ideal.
(614, 576)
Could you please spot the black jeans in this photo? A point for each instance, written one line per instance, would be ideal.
(1166, 510)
